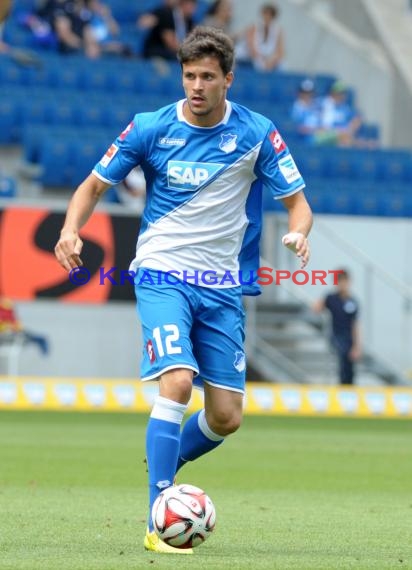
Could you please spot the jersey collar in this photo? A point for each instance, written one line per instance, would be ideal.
(181, 117)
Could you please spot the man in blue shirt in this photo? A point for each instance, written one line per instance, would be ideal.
(205, 161)
(345, 336)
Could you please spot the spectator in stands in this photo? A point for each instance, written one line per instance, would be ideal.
(219, 16)
(263, 43)
(345, 336)
(71, 22)
(169, 25)
(8, 318)
(5, 7)
(20, 56)
(11, 327)
(105, 29)
(306, 112)
(339, 118)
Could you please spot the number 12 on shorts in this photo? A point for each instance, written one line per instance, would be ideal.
(171, 336)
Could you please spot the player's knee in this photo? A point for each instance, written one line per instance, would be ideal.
(225, 422)
(177, 385)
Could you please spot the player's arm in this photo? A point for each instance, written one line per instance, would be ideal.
(81, 206)
(65, 33)
(170, 40)
(355, 351)
(318, 306)
(300, 223)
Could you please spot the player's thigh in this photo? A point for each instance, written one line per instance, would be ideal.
(166, 318)
(218, 340)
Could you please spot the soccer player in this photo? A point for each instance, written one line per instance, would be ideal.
(205, 161)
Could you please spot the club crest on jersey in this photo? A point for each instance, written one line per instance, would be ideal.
(228, 143)
(183, 175)
(240, 361)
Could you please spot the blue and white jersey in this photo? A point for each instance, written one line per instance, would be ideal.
(204, 187)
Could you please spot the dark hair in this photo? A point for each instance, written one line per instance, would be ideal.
(271, 8)
(205, 41)
(344, 274)
(214, 7)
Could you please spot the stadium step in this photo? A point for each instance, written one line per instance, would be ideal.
(292, 344)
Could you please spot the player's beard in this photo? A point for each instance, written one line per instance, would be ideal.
(207, 109)
(200, 112)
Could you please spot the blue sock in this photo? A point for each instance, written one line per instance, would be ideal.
(196, 439)
(162, 446)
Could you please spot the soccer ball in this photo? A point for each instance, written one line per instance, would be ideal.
(183, 516)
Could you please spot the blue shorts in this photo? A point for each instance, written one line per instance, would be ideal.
(187, 326)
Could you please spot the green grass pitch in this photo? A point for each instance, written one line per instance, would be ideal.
(290, 493)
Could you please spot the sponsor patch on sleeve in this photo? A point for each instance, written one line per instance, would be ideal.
(127, 130)
(289, 169)
(277, 142)
(110, 154)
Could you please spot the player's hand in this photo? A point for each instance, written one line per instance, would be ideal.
(68, 250)
(298, 243)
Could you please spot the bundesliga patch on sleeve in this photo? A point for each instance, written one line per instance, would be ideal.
(110, 154)
(277, 142)
(289, 169)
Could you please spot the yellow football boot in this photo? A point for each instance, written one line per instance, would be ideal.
(152, 542)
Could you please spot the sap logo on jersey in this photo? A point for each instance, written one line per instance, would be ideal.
(190, 175)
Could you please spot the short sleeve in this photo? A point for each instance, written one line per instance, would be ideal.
(276, 168)
(126, 152)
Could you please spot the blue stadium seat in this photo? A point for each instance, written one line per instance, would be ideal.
(340, 163)
(64, 111)
(313, 162)
(285, 86)
(368, 202)
(70, 75)
(8, 187)
(17, 35)
(95, 78)
(34, 110)
(397, 204)
(201, 11)
(270, 204)
(323, 83)
(56, 159)
(318, 198)
(119, 116)
(396, 166)
(31, 138)
(368, 131)
(23, 6)
(9, 131)
(126, 11)
(93, 114)
(86, 153)
(341, 199)
(46, 76)
(11, 73)
(366, 165)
